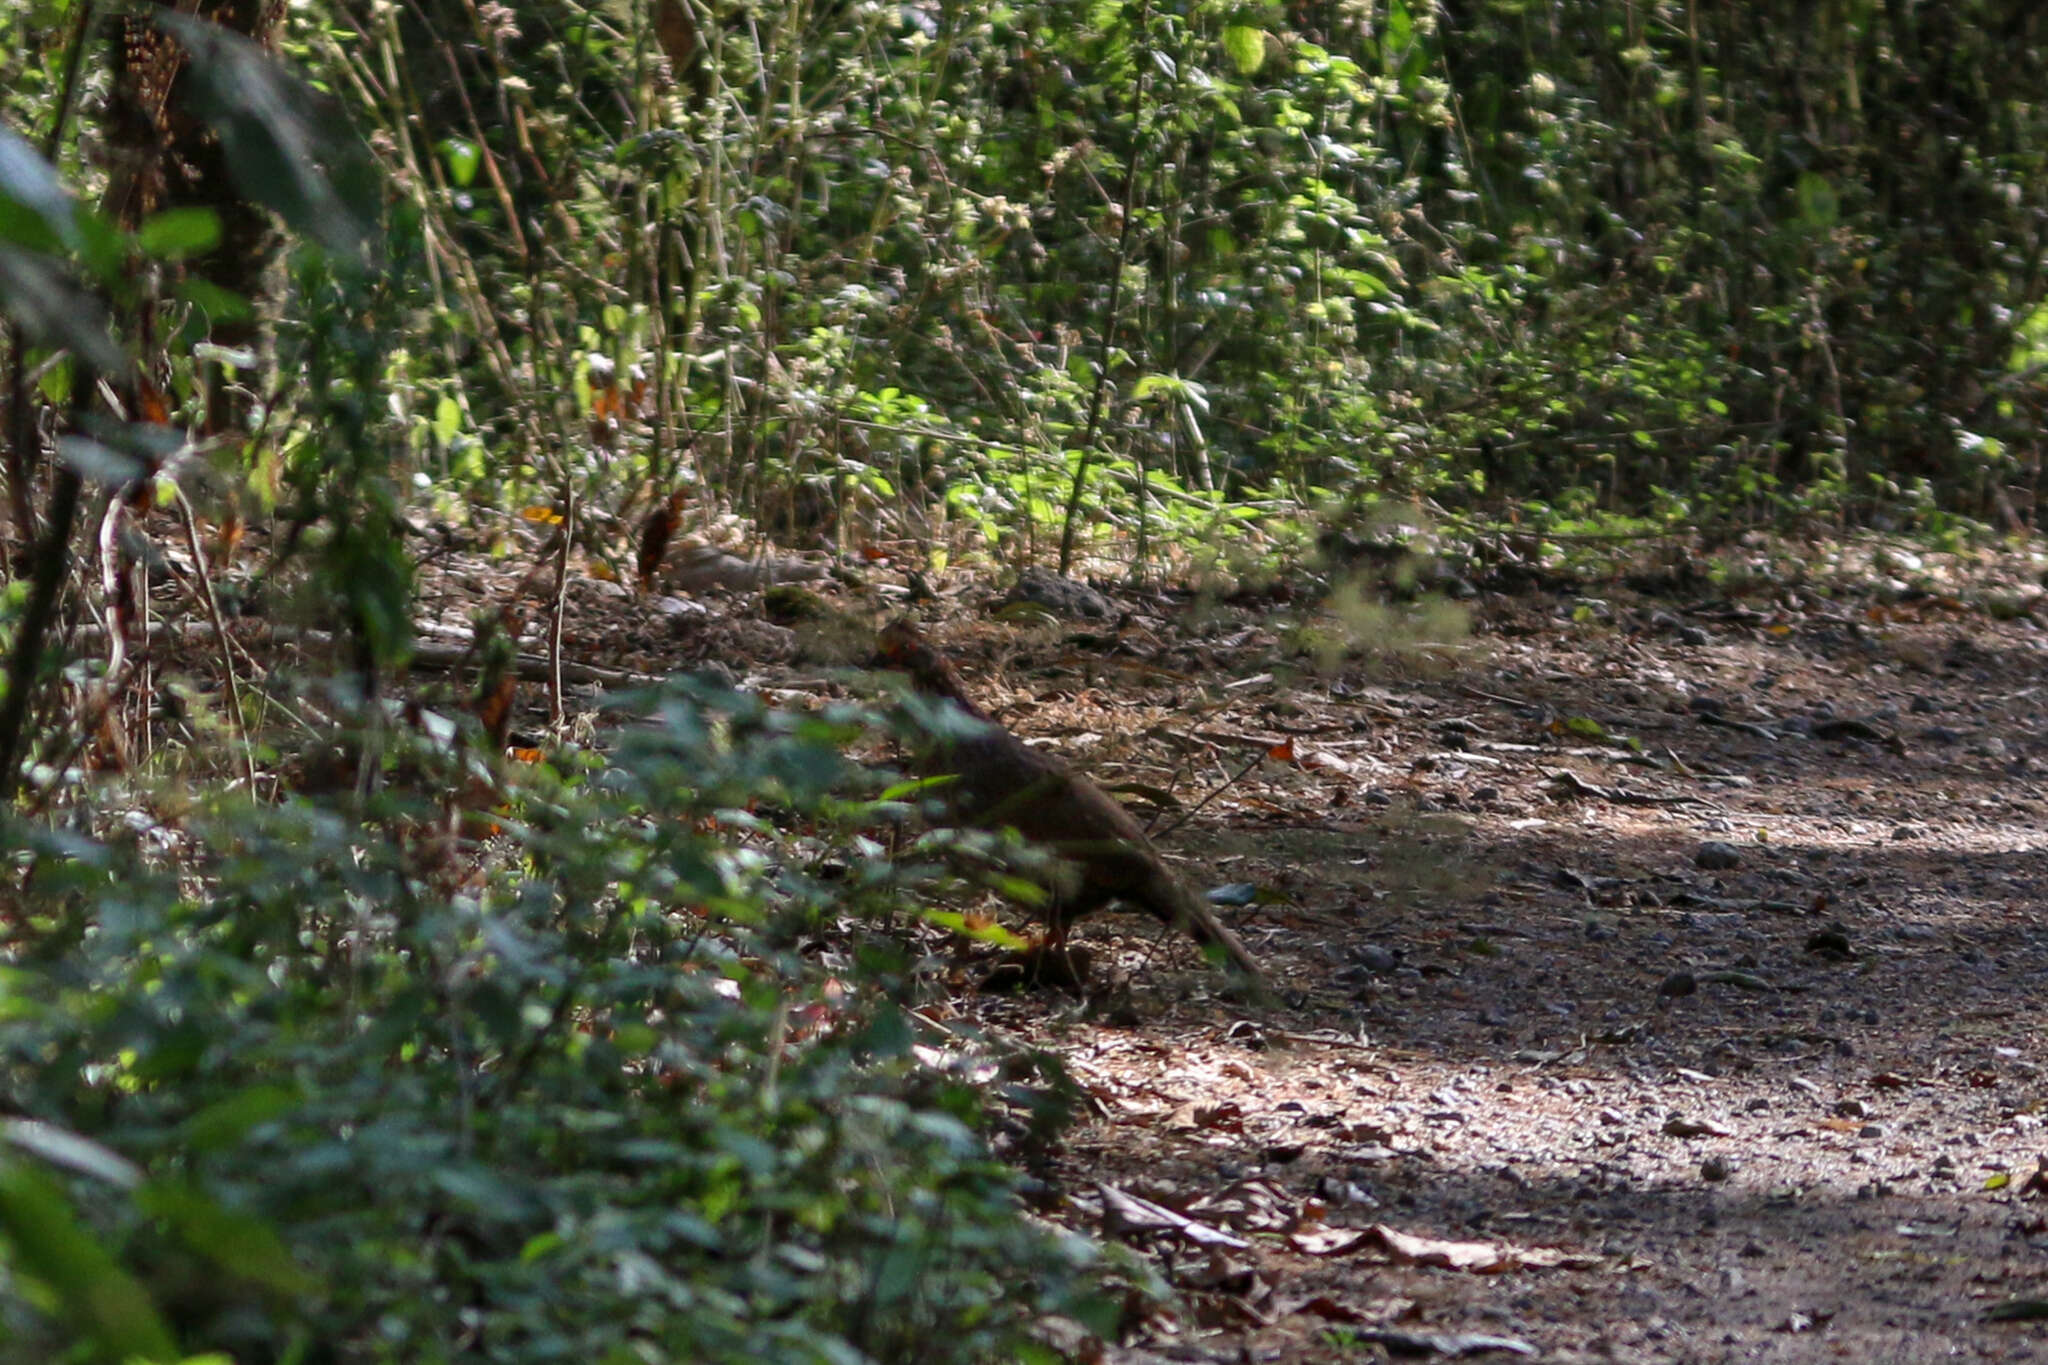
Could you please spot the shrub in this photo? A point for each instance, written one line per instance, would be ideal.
(553, 1074)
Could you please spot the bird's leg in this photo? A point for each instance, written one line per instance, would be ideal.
(1053, 962)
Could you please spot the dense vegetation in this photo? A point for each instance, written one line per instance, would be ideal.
(332, 1034)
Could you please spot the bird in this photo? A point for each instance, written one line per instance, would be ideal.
(999, 782)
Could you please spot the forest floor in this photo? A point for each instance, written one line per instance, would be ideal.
(1662, 971)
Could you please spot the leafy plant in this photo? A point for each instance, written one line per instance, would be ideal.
(547, 1077)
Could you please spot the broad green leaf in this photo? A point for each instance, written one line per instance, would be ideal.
(447, 419)
(285, 149)
(244, 1246)
(225, 1122)
(462, 158)
(1246, 46)
(40, 294)
(61, 1147)
(36, 210)
(100, 1300)
(180, 233)
(217, 304)
(100, 464)
(1819, 206)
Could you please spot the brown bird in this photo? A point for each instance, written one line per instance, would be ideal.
(1000, 782)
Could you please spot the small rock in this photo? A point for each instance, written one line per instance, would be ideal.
(1679, 1126)
(1375, 958)
(1677, 984)
(681, 609)
(1831, 942)
(1061, 595)
(716, 672)
(1716, 856)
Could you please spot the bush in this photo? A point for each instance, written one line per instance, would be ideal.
(548, 1075)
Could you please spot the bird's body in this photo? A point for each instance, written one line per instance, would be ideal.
(1000, 782)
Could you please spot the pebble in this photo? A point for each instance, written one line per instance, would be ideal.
(1716, 856)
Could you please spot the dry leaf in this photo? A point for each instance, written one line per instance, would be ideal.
(1124, 1214)
(1198, 1115)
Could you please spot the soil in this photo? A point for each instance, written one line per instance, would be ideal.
(1659, 972)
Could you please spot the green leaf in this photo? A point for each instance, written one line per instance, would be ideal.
(447, 419)
(986, 932)
(61, 1147)
(36, 210)
(100, 464)
(1819, 206)
(227, 1121)
(178, 234)
(1246, 47)
(38, 293)
(219, 305)
(285, 148)
(101, 1301)
(238, 1243)
(462, 158)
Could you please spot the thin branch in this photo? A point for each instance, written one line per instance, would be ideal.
(1196, 809)
(560, 609)
(204, 581)
(53, 562)
(1099, 400)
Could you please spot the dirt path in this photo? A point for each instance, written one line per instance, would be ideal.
(1670, 978)
(1667, 972)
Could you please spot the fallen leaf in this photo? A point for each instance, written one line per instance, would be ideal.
(1693, 1128)
(1444, 1343)
(1328, 1241)
(1200, 1115)
(1124, 1214)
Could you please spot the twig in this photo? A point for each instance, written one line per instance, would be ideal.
(441, 658)
(19, 457)
(559, 609)
(110, 584)
(1098, 401)
(97, 703)
(203, 580)
(1196, 809)
(514, 1072)
(52, 563)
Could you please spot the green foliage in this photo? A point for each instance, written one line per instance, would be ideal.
(330, 1080)
(1607, 258)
